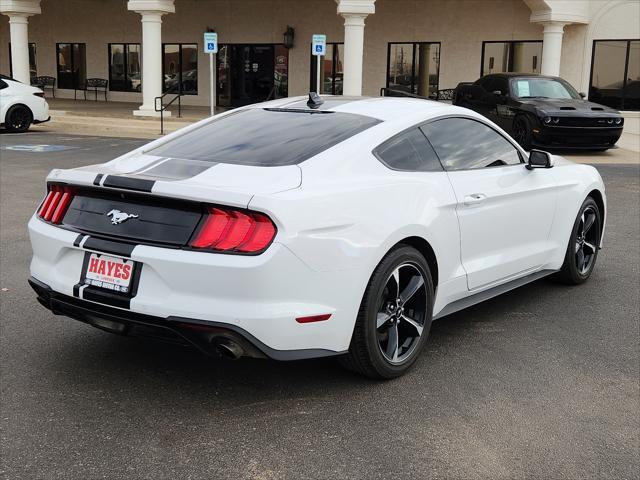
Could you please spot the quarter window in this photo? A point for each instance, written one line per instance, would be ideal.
(124, 67)
(464, 144)
(409, 151)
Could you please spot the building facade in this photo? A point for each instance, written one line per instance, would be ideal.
(147, 47)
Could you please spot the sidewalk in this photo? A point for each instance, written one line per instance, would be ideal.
(113, 119)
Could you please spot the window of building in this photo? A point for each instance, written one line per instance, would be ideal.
(331, 72)
(464, 144)
(414, 68)
(72, 65)
(615, 74)
(180, 68)
(409, 151)
(501, 57)
(124, 67)
(33, 68)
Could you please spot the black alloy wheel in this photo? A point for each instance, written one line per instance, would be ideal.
(394, 318)
(582, 251)
(18, 119)
(522, 132)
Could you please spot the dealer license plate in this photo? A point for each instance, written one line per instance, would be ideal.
(110, 273)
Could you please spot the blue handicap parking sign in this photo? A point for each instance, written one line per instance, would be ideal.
(211, 46)
(318, 48)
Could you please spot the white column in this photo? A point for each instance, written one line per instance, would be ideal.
(18, 12)
(151, 12)
(354, 13)
(552, 48)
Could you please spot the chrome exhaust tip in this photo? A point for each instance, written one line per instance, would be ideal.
(227, 348)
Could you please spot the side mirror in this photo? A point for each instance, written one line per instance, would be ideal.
(583, 95)
(539, 159)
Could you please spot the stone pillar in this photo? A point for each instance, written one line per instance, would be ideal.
(151, 12)
(19, 12)
(354, 13)
(552, 48)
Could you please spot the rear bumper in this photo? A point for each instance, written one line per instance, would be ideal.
(260, 295)
(576, 137)
(203, 335)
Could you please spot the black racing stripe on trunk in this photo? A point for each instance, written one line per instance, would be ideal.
(106, 298)
(97, 179)
(76, 290)
(178, 169)
(76, 242)
(129, 183)
(109, 246)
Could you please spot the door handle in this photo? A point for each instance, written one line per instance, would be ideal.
(474, 199)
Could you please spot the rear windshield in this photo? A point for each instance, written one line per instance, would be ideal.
(265, 137)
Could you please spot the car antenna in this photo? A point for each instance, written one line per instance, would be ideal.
(314, 100)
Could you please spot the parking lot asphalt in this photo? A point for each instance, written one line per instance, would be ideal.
(542, 382)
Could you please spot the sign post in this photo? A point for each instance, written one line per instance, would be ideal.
(211, 47)
(319, 49)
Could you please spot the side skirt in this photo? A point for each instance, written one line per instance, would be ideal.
(490, 293)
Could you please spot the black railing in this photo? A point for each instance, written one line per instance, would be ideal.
(164, 106)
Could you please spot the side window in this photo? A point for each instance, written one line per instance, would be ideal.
(3, 84)
(487, 83)
(501, 84)
(464, 144)
(409, 151)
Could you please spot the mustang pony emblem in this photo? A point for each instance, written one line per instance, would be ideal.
(117, 217)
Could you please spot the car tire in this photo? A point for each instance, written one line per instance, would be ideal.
(392, 328)
(582, 251)
(18, 119)
(522, 132)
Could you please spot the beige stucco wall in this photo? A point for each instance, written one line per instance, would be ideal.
(460, 25)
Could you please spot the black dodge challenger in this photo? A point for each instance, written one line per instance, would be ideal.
(541, 111)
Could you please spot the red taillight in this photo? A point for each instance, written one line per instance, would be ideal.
(55, 204)
(229, 230)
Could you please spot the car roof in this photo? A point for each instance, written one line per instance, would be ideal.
(382, 108)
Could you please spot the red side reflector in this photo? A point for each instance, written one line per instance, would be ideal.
(314, 318)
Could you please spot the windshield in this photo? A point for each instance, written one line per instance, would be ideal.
(265, 137)
(535, 87)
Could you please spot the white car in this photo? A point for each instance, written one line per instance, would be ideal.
(294, 229)
(21, 105)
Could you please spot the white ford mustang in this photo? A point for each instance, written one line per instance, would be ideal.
(296, 229)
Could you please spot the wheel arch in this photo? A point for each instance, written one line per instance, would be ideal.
(599, 199)
(426, 250)
(17, 104)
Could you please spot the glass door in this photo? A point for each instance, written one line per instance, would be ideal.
(251, 73)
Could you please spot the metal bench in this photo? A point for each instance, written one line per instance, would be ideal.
(95, 85)
(43, 82)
